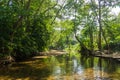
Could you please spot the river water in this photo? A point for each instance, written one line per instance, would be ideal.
(64, 67)
(78, 67)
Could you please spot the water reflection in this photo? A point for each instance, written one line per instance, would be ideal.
(64, 67)
(83, 68)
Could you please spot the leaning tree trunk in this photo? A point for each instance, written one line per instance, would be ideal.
(108, 48)
(84, 50)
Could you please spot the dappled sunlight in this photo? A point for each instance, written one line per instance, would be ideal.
(39, 57)
(91, 74)
(88, 74)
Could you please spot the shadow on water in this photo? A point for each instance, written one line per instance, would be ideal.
(84, 68)
(64, 67)
(29, 70)
(101, 68)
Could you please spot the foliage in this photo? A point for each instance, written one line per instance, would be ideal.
(93, 23)
(63, 35)
(25, 26)
(30, 26)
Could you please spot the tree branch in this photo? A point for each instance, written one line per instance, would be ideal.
(58, 12)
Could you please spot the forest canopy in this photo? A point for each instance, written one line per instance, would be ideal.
(31, 26)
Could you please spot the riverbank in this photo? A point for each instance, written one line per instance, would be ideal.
(51, 52)
(114, 55)
(59, 68)
(8, 60)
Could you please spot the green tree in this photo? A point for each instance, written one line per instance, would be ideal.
(25, 26)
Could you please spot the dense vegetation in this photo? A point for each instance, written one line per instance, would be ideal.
(31, 26)
(25, 26)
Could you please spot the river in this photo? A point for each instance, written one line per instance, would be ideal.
(63, 67)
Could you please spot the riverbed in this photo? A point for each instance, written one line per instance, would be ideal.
(63, 67)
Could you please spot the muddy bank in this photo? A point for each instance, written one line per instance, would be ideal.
(113, 55)
(51, 52)
(48, 53)
(9, 59)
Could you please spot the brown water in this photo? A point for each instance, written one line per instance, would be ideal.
(63, 67)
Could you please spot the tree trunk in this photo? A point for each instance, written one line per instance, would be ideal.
(100, 27)
(84, 50)
(108, 49)
(91, 39)
(17, 24)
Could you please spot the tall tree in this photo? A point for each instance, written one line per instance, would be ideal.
(100, 25)
(28, 27)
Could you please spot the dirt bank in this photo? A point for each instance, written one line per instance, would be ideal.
(114, 55)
